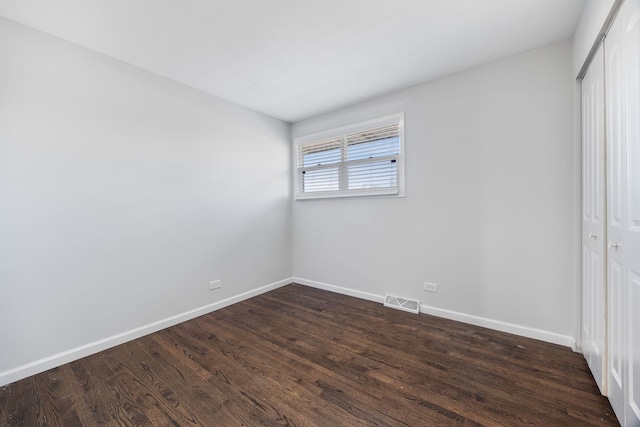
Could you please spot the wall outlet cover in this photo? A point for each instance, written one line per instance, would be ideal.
(430, 287)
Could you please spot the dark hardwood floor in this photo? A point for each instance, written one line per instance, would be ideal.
(299, 356)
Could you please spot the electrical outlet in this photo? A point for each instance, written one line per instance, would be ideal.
(214, 284)
(430, 287)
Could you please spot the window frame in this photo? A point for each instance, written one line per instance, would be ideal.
(342, 166)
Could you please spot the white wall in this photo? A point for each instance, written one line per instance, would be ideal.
(490, 201)
(122, 194)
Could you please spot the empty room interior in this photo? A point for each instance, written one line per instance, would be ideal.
(320, 213)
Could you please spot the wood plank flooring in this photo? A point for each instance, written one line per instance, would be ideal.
(299, 356)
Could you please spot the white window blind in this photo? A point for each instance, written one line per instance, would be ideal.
(364, 159)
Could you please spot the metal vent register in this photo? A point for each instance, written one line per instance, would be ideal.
(410, 305)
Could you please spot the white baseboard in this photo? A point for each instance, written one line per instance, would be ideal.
(497, 325)
(523, 331)
(42, 365)
(339, 290)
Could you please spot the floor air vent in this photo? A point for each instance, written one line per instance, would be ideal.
(410, 305)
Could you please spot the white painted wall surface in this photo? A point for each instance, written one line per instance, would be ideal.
(122, 194)
(594, 14)
(489, 212)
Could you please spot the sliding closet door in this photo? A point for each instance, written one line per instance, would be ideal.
(617, 295)
(628, 23)
(622, 47)
(593, 220)
(632, 229)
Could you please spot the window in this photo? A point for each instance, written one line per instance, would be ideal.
(365, 159)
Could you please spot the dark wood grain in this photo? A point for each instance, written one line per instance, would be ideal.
(299, 356)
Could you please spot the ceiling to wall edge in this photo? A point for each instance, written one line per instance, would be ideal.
(600, 38)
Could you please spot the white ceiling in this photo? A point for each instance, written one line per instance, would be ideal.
(294, 59)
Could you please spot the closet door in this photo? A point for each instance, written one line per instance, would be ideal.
(623, 216)
(629, 24)
(617, 295)
(593, 220)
